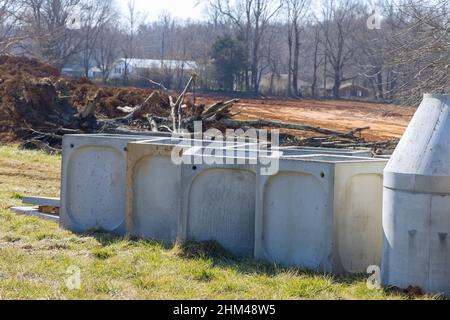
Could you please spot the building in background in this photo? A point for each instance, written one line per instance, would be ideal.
(137, 67)
(278, 84)
(348, 90)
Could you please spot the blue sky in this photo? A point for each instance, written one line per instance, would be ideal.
(178, 8)
(184, 9)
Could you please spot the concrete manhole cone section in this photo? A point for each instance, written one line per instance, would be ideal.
(416, 206)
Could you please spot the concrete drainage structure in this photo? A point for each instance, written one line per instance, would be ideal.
(416, 206)
(321, 212)
(156, 185)
(93, 181)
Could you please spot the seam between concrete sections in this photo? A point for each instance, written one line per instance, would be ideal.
(429, 242)
(333, 260)
(415, 192)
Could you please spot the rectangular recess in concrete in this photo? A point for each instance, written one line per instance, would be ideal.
(218, 198)
(218, 203)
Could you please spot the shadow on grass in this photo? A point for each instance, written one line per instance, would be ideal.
(212, 250)
(248, 265)
(108, 239)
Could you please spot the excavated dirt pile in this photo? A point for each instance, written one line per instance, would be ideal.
(35, 98)
(38, 106)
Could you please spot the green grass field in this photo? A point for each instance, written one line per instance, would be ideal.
(35, 256)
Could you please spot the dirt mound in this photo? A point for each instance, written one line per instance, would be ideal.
(38, 105)
(34, 97)
(15, 66)
(35, 103)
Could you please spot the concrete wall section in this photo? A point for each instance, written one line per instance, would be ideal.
(406, 232)
(294, 215)
(327, 151)
(219, 204)
(153, 191)
(156, 184)
(416, 246)
(358, 236)
(93, 182)
(321, 212)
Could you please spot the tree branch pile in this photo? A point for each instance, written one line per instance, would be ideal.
(38, 107)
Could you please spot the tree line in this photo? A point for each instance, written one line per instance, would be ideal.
(398, 49)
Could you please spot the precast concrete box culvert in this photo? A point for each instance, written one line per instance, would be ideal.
(416, 205)
(153, 186)
(312, 211)
(93, 181)
(153, 183)
(321, 212)
(218, 195)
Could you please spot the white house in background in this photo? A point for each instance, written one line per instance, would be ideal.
(138, 65)
(95, 72)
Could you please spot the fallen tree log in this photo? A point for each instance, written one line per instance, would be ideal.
(218, 109)
(91, 105)
(162, 113)
(374, 144)
(291, 126)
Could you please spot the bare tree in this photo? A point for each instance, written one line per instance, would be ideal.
(420, 50)
(52, 25)
(10, 17)
(339, 25)
(133, 19)
(94, 16)
(251, 19)
(317, 60)
(296, 10)
(167, 27)
(107, 49)
(273, 55)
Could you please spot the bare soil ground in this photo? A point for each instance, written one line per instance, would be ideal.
(35, 98)
(38, 106)
(386, 122)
